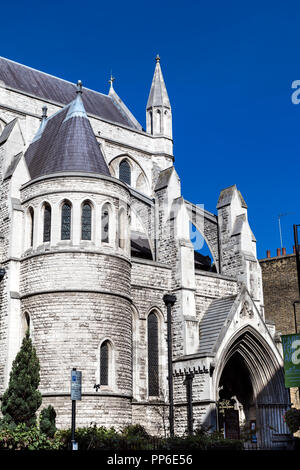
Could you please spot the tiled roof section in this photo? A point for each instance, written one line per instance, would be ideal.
(7, 131)
(48, 87)
(212, 323)
(67, 143)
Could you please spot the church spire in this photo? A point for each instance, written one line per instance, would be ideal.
(158, 110)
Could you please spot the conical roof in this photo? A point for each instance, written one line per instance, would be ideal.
(65, 142)
(158, 95)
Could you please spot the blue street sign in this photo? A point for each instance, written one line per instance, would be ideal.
(75, 385)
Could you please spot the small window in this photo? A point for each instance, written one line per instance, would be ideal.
(153, 355)
(66, 221)
(47, 223)
(25, 324)
(125, 172)
(105, 224)
(86, 221)
(121, 229)
(104, 363)
(31, 222)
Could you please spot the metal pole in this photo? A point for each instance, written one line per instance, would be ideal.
(295, 314)
(169, 301)
(73, 421)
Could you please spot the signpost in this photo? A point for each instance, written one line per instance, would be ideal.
(75, 395)
(291, 353)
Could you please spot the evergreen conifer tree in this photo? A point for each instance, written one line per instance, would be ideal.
(21, 400)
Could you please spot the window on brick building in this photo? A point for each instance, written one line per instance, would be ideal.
(86, 221)
(66, 211)
(153, 355)
(125, 172)
(105, 224)
(47, 223)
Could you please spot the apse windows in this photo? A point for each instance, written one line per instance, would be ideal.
(31, 225)
(153, 355)
(105, 224)
(121, 229)
(47, 223)
(86, 221)
(66, 211)
(106, 364)
(125, 172)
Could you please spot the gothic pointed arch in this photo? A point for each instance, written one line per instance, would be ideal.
(125, 171)
(46, 222)
(153, 354)
(86, 220)
(66, 220)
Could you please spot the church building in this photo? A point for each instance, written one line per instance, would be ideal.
(95, 237)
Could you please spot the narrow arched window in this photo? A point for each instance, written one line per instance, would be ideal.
(125, 172)
(47, 223)
(159, 121)
(86, 221)
(66, 221)
(151, 122)
(153, 361)
(25, 324)
(121, 229)
(31, 222)
(104, 363)
(105, 224)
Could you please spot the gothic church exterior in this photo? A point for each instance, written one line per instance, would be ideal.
(94, 231)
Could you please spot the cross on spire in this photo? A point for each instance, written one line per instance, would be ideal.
(157, 58)
(111, 80)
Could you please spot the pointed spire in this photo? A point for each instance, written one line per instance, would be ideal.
(42, 124)
(158, 95)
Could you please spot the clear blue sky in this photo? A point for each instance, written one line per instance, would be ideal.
(228, 67)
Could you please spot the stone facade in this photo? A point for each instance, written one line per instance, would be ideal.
(83, 293)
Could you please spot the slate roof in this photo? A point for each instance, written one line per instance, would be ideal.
(66, 142)
(7, 131)
(212, 323)
(48, 87)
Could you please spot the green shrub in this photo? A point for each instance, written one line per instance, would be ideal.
(292, 419)
(135, 430)
(47, 421)
(23, 437)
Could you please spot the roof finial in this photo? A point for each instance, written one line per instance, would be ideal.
(44, 114)
(111, 80)
(157, 58)
(79, 87)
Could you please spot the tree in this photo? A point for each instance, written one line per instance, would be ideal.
(47, 421)
(21, 400)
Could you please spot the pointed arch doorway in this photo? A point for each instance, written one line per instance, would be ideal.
(250, 385)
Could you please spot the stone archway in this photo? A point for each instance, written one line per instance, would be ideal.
(252, 379)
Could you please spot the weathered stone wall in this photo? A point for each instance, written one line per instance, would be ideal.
(210, 286)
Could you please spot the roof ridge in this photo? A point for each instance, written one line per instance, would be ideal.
(53, 76)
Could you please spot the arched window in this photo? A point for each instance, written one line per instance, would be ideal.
(121, 229)
(151, 122)
(25, 324)
(153, 354)
(125, 172)
(47, 223)
(66, 221)
(159, 122)
(86, 221)
(31, 226)
(106, 363)
(105, 224)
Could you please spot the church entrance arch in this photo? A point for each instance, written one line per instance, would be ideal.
(250, 392)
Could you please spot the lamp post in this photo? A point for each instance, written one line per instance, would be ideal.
(169, 301)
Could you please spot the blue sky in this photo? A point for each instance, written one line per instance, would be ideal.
(228, 68)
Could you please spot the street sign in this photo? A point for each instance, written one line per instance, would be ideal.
(75, 385)
(291, 353)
